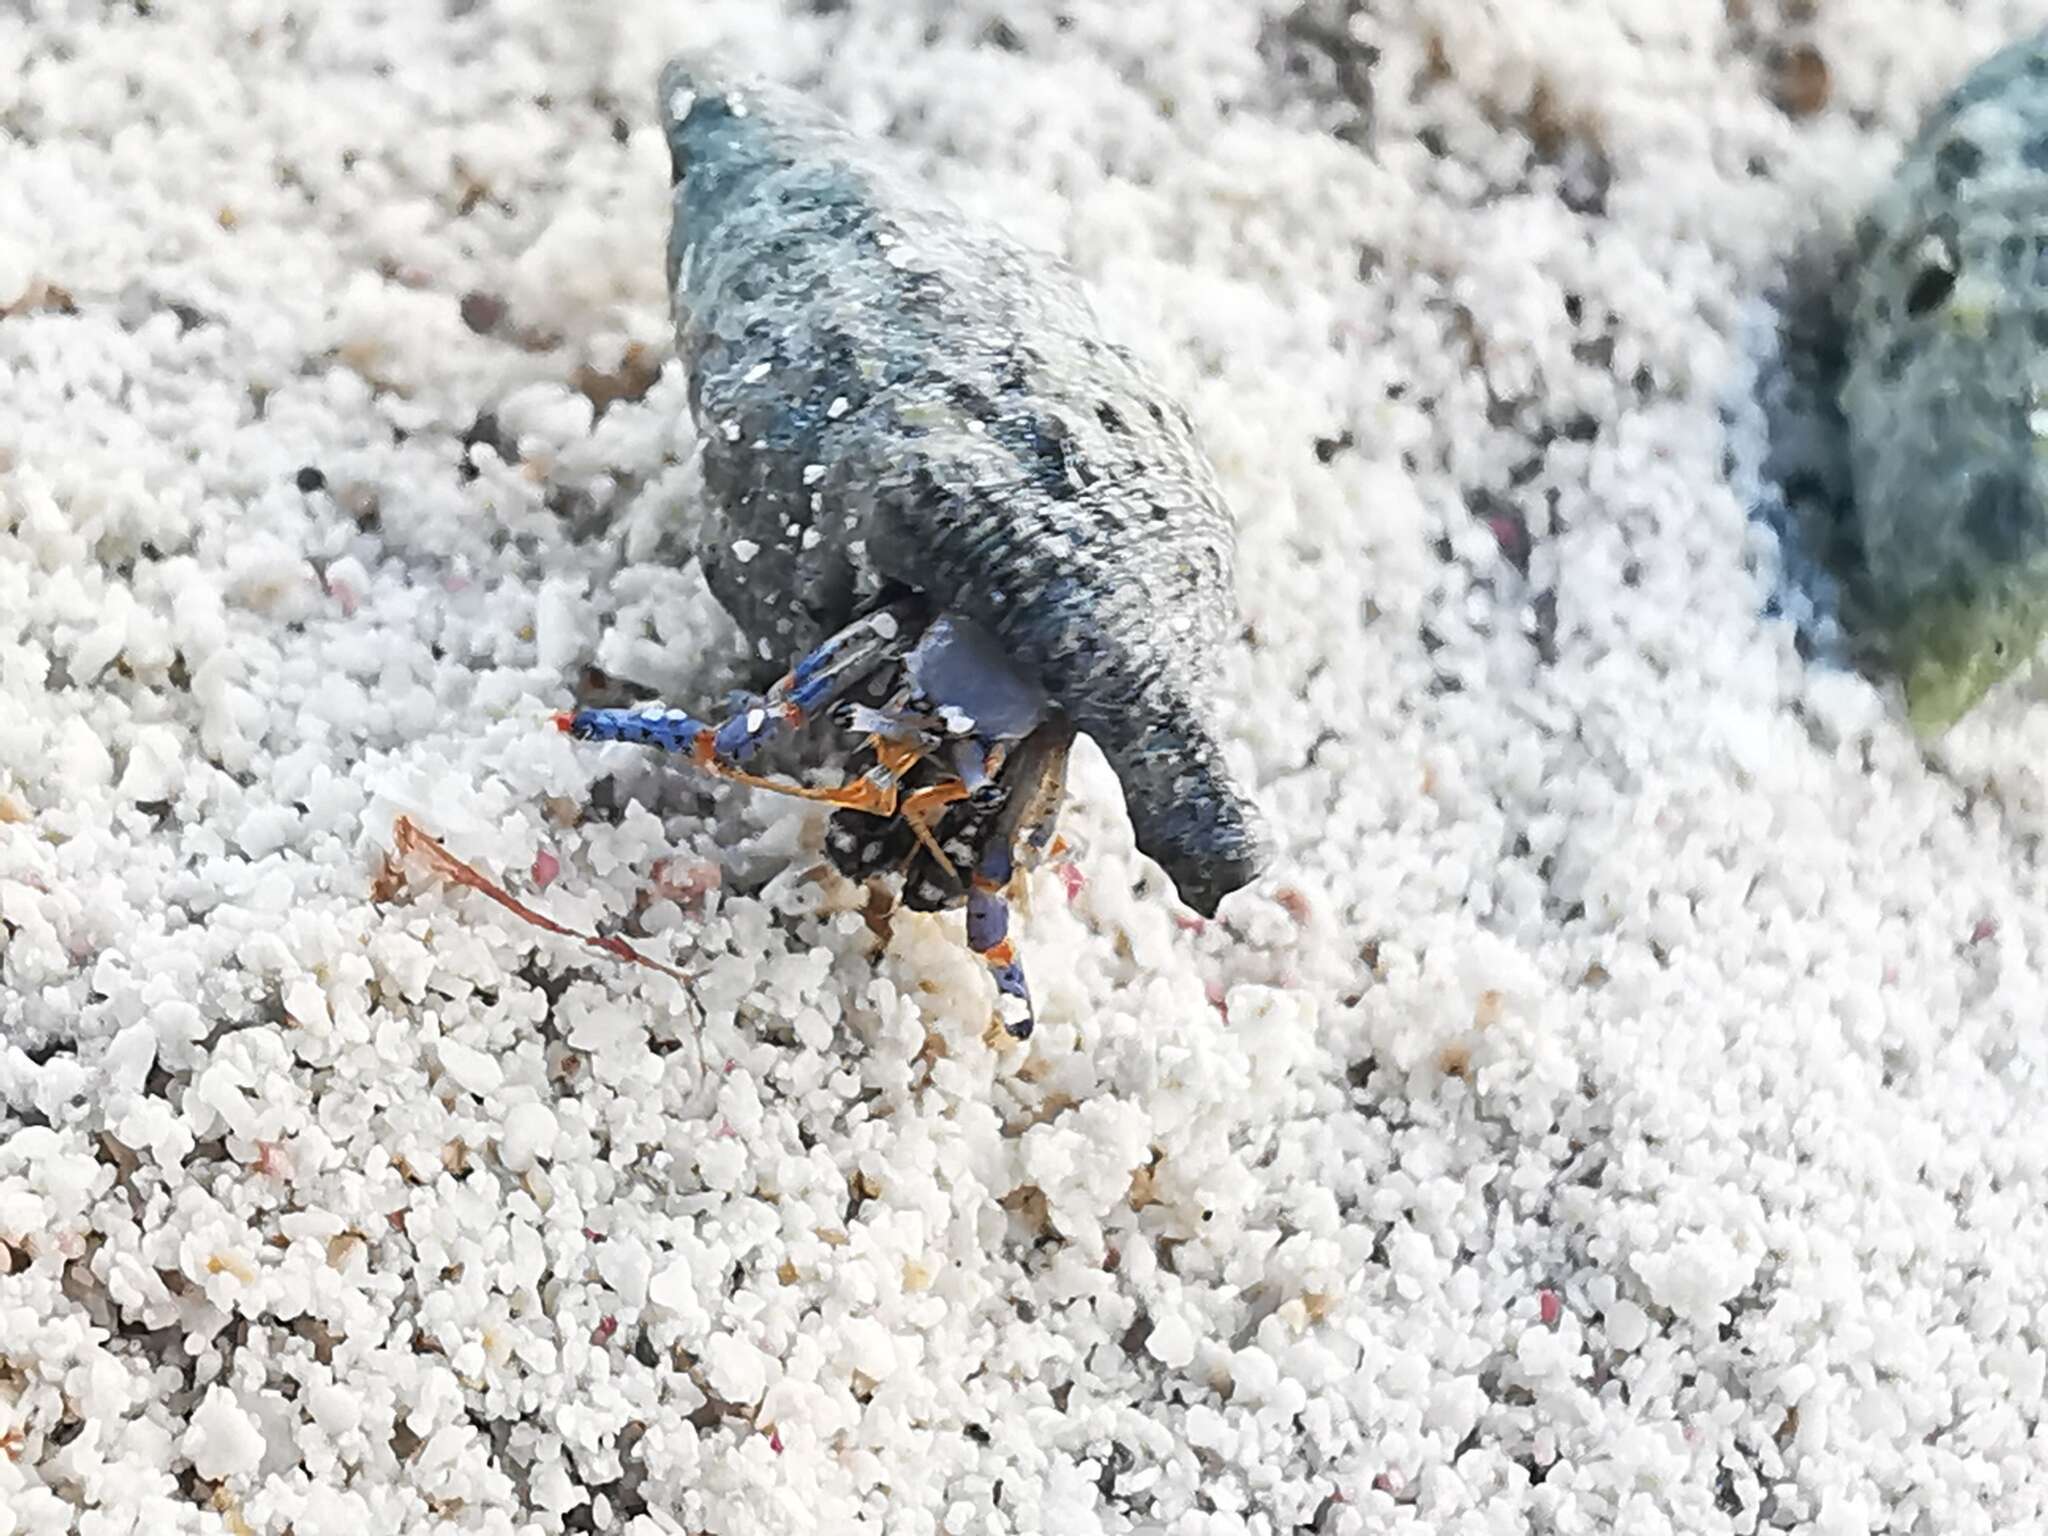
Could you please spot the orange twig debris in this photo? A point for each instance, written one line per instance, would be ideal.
(412, 839)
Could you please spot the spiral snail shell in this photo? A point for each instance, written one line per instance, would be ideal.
(893, 398)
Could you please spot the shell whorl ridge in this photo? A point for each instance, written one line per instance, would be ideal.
(891, 395)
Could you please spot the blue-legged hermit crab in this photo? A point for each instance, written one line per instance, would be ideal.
(979, 523)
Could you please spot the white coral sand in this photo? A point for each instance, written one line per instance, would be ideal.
(1622, 1109)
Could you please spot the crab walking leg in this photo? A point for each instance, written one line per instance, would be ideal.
(672, 730)
(812, 686)
(988, 935)
(921, 809)
(820, 679)
(975, 767)
(1036, 784)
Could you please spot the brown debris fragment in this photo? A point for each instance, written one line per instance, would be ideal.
(1800, 84)
(42, 297)
(1144, 1189)
(482, 312)
(630, 381)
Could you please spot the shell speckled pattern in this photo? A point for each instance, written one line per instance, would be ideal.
(1946, 394)
(892, 396)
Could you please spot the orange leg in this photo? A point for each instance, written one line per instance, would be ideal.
(866, 793)
(921, 808)
(894, 758)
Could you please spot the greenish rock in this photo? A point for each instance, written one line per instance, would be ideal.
(1946, 394)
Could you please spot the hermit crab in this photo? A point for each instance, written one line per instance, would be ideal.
(976, 522)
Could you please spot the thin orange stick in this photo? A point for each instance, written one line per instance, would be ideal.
(413, 840)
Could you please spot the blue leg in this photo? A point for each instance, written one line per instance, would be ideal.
(669, 730)
(988, 935)
(814, 684)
